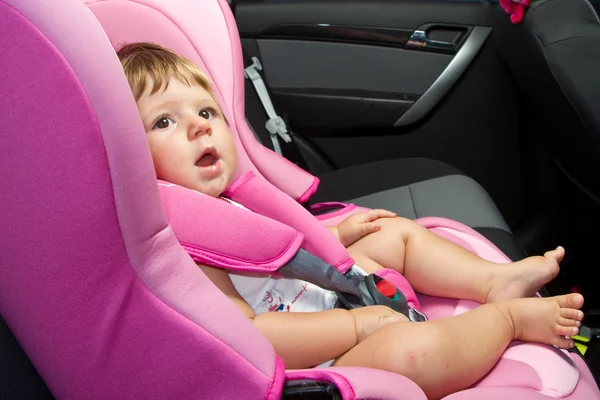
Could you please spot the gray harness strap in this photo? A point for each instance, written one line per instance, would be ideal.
(310, 268)
(353, 290)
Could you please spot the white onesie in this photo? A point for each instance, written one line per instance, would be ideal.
(264, 292)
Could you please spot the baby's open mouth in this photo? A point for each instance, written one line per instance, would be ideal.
(208, 158)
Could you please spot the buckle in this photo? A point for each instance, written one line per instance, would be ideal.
(277, 126)
(252, 71)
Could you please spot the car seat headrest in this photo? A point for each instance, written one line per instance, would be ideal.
(150, 21)
(204, 32)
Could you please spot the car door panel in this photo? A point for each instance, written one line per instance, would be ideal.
(302, 72)
(255, 17)
(355, 85)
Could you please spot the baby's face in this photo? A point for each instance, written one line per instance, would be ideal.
(189, 139)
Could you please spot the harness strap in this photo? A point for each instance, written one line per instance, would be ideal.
(353, 290)
(310, 268)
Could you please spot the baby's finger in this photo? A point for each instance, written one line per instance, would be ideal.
(378, 213)
(385, 213)
(370, 227)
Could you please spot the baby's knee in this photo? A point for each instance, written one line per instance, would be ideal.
(399, 225)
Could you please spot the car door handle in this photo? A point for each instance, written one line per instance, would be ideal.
(419, 39)
(448, 78)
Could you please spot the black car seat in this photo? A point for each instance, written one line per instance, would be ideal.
(554, 57)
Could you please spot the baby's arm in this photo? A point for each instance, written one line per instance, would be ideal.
(301, 339)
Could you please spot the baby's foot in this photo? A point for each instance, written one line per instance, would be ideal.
(524, 278)
(545, 320)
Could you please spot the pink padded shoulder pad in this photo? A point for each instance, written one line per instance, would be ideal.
(256, 193)
(217, 233)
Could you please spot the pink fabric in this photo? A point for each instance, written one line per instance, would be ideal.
(309, 192)
(138, 205)
(515, 8)
(363, 383)
(94, 284)
(276, 388)
(464, 235)
(226, 236)
(437, 307)
(509, 380)
(511, 373)
(263, 198)
(297, 183)
(556, 372)
(586, 388)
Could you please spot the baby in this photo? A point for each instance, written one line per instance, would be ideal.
(191, 146)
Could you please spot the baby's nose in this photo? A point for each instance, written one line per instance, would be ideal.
(200, 126)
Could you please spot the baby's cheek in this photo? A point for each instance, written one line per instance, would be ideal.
(233, 159)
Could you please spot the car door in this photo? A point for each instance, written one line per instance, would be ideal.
(368, 80)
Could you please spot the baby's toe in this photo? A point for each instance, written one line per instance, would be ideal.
(555, 255)
(561, 330)
(574, 300)
(568, 322)
(570, 313)
(562, 342)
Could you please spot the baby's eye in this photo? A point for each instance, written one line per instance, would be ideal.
(207, 113)
(162, 123)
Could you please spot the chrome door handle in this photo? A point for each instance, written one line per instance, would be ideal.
(420, 39)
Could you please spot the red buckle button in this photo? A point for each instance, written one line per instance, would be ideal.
(386, 288)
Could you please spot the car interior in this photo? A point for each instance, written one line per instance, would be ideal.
(426, 108)
(520, 119)
(530, 140)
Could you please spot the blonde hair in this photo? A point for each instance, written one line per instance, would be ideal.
(147, 63)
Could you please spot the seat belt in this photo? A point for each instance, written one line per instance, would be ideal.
(275, 124)
(353, 289)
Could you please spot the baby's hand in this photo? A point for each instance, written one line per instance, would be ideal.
(361, 224)
(369, 319)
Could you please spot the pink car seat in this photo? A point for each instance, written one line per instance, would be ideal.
(95, 287)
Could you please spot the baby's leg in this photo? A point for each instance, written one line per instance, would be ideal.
(438, 267)
(450, 354)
